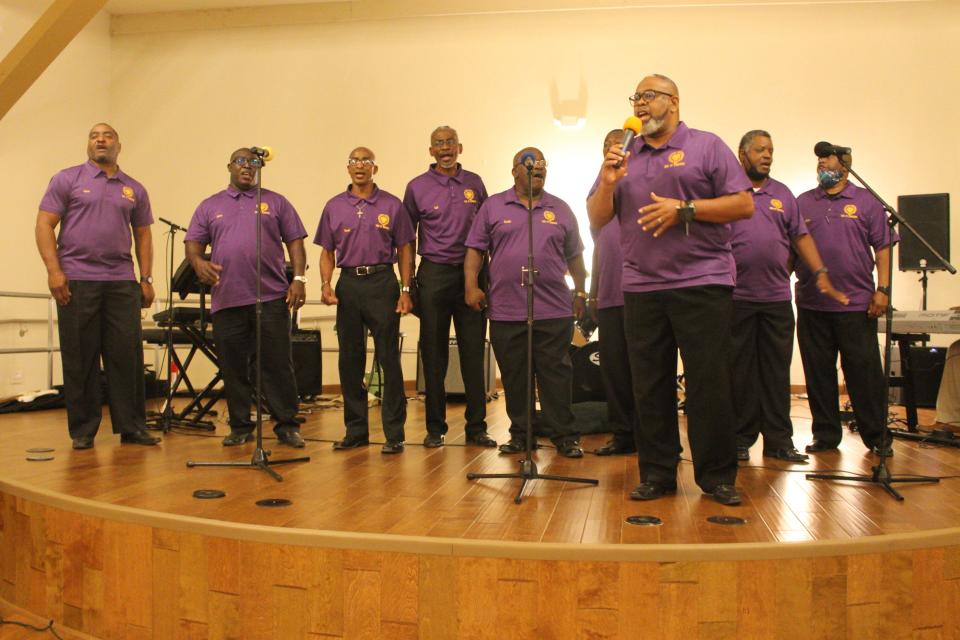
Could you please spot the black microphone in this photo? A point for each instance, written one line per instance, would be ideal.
(528, 160)
(825, 150)
(173, 225)
(264, 152)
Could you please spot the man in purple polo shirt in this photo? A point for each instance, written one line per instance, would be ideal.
(500, 230)
(762, 310)
(365, 230)
(228, 221)
(90, 274)
(850, 228)
(441, 204)
(674, 205)
(606, 303)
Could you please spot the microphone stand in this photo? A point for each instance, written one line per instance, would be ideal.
(528, 467)
(166, 419)
(261, 457)
(880, 475)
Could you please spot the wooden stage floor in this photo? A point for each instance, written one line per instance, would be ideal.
(424, 492)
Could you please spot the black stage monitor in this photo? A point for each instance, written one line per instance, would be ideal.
(929, 214)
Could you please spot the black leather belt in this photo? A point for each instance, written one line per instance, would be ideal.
(365, 270)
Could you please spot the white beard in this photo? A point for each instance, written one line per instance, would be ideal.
(652, 126)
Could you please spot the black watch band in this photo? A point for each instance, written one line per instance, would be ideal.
(884, 290)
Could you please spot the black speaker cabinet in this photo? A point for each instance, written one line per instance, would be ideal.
(929, 214)
(927, 363)
(307, 362)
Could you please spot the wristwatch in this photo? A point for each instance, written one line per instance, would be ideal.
(146, 279)
(405, 289)
(580, 294)
(302, 279)
(816, 274)
(687, 213)
(884, 290)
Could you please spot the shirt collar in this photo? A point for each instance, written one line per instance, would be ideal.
(443, 178)
(546, 200)
(93, 170)
(235, 193)
(355, 200)
(848, 192)
(676, 141)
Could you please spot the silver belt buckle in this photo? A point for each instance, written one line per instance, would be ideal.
(363, 271)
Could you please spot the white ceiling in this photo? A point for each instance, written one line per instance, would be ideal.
(154, 6)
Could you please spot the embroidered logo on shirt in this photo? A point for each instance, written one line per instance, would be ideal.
(383, 221)
(469, 197)
(850, 211)
(435, 207)
(265, 208)
(86, 190)
(347, 229)
(549, 217)
(127, 193)
(776, 205)
(676, 160)
(507, 221)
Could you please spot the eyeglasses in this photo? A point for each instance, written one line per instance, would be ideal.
(243, 162)
(537, 164)
(648, 96)
(360, 162)
(452, 142)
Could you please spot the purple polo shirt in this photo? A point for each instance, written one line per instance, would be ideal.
(762, 244)
(96, 213)
(228, 222)
(364, 232)
(845, 227)
(609, 265)
(500, 227)
(444, 208)
(692, 165)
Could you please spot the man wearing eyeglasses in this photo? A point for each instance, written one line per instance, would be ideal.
(762, 309)
(228, 221)
(674, 204)
(364, 231)
(606, 304)
(850, 228)
(90, 275)
(500, 229)
(442, 203)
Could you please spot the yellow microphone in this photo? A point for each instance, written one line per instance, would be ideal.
(265, 153)
(631, 128)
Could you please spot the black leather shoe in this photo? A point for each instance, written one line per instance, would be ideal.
(392, 447)
(516, 445)
(350, 443)
(237, 437)
(138, 437)
(570, 449)
(291, 439)
(875, 450)
(818, 445)
(725, 494)
(482, 440)
(651, 491)
(83, 442)
(614, 448)
(433, 441)
(743, 453)
(787, 455)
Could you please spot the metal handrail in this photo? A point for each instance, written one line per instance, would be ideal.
(51, 313)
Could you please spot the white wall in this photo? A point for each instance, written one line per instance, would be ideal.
(44, 132)
(878, 77)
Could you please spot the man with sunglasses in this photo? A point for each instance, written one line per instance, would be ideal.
(364, 231)
(90, 274)
(500, 229)
(228, 222)
(442, 203)
(674, 203)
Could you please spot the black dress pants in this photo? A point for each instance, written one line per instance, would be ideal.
(852, 334)
(697, 321)
(440, 289)
(552, 372)
(102, 321)
(370, 302)
(615, 371)
(234, 331)
(762, 349)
